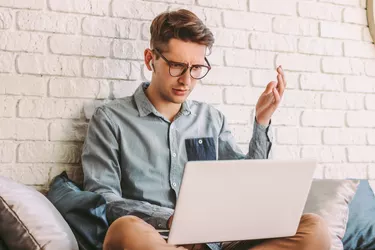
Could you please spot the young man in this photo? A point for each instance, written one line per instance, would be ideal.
(136, 147)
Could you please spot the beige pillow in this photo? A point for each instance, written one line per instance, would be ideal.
(30, 221)
(330, 199)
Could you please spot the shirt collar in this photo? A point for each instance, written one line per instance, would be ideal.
(145, 107)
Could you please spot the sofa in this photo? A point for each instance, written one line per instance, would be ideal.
(69, 218)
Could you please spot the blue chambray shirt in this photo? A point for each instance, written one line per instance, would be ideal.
(135, 157)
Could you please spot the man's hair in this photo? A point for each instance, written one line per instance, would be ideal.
(180, 24)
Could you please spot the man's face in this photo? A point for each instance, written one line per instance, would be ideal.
(177, 89)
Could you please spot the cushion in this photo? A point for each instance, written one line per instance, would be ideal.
(84, 211)
(360, 232)
(30, 221)
(330, 199)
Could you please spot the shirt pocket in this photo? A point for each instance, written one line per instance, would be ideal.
(200, 149)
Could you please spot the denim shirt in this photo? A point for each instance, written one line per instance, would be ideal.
(135, 157)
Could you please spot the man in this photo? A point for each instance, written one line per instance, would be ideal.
(136, 147)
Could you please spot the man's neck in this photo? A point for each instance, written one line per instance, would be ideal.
(168, 109)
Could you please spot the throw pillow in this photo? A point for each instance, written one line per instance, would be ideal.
(330, 199)
(30, 221)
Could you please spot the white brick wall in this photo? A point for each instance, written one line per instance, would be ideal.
(61, 59)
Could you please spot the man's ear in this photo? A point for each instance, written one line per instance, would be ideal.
(149, 61)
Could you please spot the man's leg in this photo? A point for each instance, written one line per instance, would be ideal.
(312, 234)
(132, 233)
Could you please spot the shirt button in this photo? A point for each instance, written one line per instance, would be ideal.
(174, 184)
(200, 142)
(174, 155)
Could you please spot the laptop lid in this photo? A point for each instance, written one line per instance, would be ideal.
(240, 200)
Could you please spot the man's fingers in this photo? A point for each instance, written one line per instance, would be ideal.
(276, 96)
(269, 87)
(280, 85)
(281, 72)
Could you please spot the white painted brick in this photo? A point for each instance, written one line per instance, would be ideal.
(360, 84)
(227, 76)
(145, 31)
(81, 88)
(22, 41)
(74, 172)
(29, 4)
(359, 49)
(246, 21)
(22, 129)
(355, 15)
(50, 108)
(344, 136)
(124, 88)
(67, 131)
(367, 35)
(22, 85)
(346, 171)
(186, 2)
(295, 26)
(324, 154)
(363, 3)
(46, 152)
(301, 99)
(286, 116)
(216, 57)
(129, 49)
(267, 41)
(237, 114)
(136, 9)
(319, 118)
(118, 28)
(27, 174)
(319, 172)
(6, 62)
(371, 136)
(47, 22)
(146, 74)
(260, 78)
(364, 119)
(370, 68)
(7, 106)
(230, 38)
(321, 82)
(361, 154)
(92, 7)
(342, 101)
(224, 4)
(107, 68)
(285, 152)
(298, 62)
(242, 134)
(370, 102)
(343, 2)
(320, 11)
(318, 46)
(207, 94)
(371, 173)
(249, 58)
(341, 65)
(90, 107)
(340, 30)
(211, 17)
(247, 96)
(135, 71)
(75, 45)
(6, 18)
(299, 136)
(7, 152)
(273, 7)
(48, 65)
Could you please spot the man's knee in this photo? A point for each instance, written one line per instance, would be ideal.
(315, 233)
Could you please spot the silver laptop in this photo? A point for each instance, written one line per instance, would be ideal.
(240, 200)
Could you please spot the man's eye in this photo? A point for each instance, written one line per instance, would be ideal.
(197, 67)
(176, 65)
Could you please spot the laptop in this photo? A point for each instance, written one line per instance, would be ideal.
(239, 200)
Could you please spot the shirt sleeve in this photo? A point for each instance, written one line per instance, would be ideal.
(102, 174)
(259, 146)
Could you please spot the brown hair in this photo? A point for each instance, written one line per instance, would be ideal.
(180, 24)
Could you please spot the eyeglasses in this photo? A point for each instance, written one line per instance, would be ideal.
(176, 69)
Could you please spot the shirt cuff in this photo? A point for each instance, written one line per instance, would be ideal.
(160, 218)
(262, 132)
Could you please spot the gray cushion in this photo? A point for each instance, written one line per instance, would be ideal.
(30, 221)
(330, 199)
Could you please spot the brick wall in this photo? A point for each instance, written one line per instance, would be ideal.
(61, 59)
